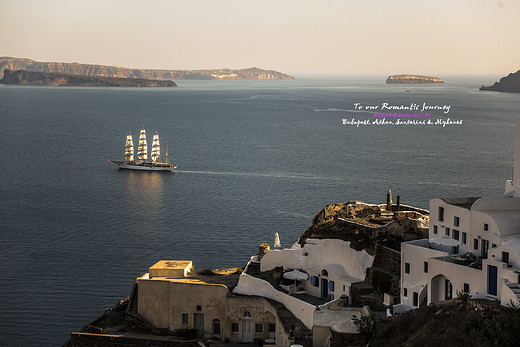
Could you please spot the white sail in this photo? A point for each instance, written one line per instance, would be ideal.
(156, 148)
(142, 149)
(129, 148)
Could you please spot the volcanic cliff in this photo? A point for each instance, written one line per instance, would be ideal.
(510, 83)
(61, 79)
(122, 72)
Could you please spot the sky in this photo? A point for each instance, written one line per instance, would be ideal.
(436, 37)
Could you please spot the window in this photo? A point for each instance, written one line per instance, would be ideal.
(455, 250)
(247, 314)
(505, 257)
(493, 245)
(185, 318)
(485, 248)
(271, 327)
(331, 286)
(343, 288)
(259, 328)
(456, 221)
(315, 281)
(435, 229)
(475, 244)
(441, 214)
(324, 272)
(407, 268)
(456, 234)
(447, 232)
(464, 237)
(415, 299)
(425, 266)
(405, 292)
(486, 227)
(216, 326)
(199, 308)
(234, 327)
(466, 288)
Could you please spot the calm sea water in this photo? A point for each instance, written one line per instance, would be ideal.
(254, 158)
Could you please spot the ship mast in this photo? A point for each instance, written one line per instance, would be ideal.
(129, 148)
(166, 154)
(156, 148)
(142, 149)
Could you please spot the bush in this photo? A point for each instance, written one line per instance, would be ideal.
(186, 333)
(365, 325)
(463, 296)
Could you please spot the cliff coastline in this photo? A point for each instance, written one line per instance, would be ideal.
(23, 77)
(412, 79)
(510, 84)
(11, 63)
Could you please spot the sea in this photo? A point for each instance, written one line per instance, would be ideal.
(254, 158)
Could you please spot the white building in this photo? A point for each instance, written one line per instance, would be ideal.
(330, 267)
(473, 246)
(331, 264)
(171, 296)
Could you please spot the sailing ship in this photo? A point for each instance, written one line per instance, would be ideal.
(142, 162)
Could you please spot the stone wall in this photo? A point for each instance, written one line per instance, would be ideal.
(359, 289)
(88, 340)
(363, 211)
(374, 302)
(386, 282)
(387, 259)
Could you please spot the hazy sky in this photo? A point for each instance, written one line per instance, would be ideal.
(294, 36)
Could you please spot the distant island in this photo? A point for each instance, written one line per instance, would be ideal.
(11, 63)
(510, 83)
(412, 79)
(62, 79)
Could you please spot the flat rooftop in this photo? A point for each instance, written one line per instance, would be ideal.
(227, 277)
(461, 202)
(171, 264)
(338, 321)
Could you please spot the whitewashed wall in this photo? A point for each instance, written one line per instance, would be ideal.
(249, 285)
(318, 254)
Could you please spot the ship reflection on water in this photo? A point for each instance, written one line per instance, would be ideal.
(146, 191)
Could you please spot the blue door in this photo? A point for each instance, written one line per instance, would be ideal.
(492, 280)
(448, 290)
(324, 288)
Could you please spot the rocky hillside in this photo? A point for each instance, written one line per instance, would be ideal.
(452, 323)
(61, 79)
(364, 225)
(412, 79)
(114, 71)
(510, 83)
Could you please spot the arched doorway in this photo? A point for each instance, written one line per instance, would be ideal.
(247, 327)
(441, 289)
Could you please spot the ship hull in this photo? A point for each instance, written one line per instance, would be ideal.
(146, 166)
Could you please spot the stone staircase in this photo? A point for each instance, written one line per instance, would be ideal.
(387, 214)
(515, 288)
